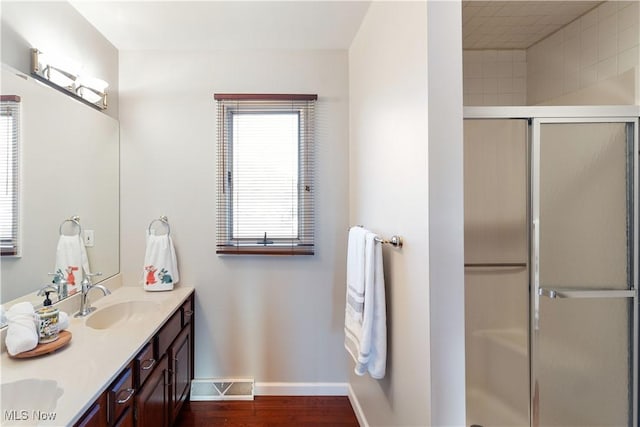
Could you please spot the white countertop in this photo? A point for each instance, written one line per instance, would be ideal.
(64, 384)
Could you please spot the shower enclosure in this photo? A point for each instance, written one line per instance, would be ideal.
(551, 240)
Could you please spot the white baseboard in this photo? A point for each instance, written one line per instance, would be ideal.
(301, 389)
(355, 404)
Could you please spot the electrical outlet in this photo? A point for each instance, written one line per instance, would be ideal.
(89, 238)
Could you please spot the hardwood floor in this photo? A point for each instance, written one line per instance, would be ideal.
(271, 411)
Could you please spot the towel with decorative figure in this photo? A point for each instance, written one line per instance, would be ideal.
(160, 263)
(365, 313)
(22, 334)
(72, 261)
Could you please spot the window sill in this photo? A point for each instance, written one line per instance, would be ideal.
(265, 250)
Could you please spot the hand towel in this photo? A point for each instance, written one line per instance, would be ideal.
(160, 263)
(72, 261)
(63, 320)
(22, 334)
(365, 311)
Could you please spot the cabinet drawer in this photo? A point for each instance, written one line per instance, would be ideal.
(144, 363)
(120, 395)
(187, 311)
(169, 332)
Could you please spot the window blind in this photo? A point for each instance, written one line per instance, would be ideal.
(265, 169)
(9, 138)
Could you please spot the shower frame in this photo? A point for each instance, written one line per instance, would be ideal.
(537, 115)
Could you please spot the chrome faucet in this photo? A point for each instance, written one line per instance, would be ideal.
(47, 289)
(86, 286)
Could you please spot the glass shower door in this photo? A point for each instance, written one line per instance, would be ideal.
(584, 273)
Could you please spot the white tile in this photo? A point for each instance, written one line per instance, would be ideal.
(519, 85)
(629, 38)
(608, 68)
(606, 9)
(505, 99)
(489, 55)
(475, 99)
(571, 82)
(628, 16)
(504, 69)
(505, 56)
(588, 56)
(489, 69)
(520, 55)
(572, 30)
(519, 69)
(589, 36)
(588, 76)
(505, 85)
(589, 19)
(473, 86)
(490, 99)
(607, 47)
(608, 27)
(519, 99)
(628, 59)
(489, 85)
(472, 69)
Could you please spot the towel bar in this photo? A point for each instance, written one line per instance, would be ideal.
(163, 219)
(74, 219)
(395, 241)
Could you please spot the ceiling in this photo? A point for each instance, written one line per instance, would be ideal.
(516, 24)
(204, 25)
(305, 24)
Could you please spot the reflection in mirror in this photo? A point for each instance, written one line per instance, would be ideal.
(69, 167)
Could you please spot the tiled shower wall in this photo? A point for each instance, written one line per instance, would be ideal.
(598, 46)
(602, 44)
(495, 77)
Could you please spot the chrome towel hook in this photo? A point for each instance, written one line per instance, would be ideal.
(75, 220)
(164, 220)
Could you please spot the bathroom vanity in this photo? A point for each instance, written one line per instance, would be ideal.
(130, 363)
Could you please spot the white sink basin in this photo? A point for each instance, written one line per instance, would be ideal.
(120, 314)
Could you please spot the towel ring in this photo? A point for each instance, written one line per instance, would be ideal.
(164, 220)
(75, 220)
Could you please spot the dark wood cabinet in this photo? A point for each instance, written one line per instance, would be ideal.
(151, 390)
(168, 385)
(96, 416)
(152, 402)
(180, 356)
(120, 398)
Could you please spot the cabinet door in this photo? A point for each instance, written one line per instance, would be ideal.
(180, 354)
(152, 401)
(96, 416)
(126, 420)
(120, 396)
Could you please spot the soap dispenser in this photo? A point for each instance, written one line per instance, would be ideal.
(47, 301)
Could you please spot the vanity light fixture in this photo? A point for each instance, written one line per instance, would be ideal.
(66, 76)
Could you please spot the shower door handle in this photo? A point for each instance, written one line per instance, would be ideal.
(586, 293)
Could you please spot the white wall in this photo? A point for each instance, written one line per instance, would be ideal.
(392, 137)
(446, 213)
(591, 52)
(56, 27)
(276, 319)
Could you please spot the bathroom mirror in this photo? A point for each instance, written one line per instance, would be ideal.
(69, 167)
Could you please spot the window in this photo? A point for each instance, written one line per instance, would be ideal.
(9, 137)
(265, 174)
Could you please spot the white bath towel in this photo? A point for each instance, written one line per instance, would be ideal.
(160, 264)
(72, 261)
(22, 334)
(365, 313)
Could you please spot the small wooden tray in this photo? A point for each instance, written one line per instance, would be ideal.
(63, 339)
